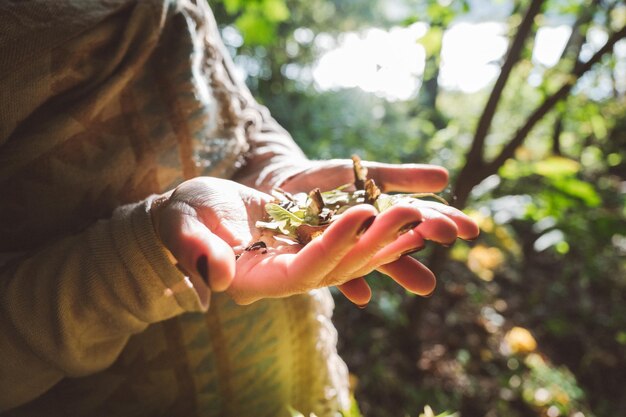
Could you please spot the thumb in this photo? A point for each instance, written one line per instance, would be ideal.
(199, 252)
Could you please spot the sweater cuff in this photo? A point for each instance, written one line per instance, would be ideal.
(161, 290)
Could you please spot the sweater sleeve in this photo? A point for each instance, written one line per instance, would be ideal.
(273, 155)
(70, 308)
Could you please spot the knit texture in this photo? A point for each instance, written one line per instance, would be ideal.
(103, 105)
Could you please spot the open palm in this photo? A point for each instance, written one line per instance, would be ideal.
(440, 223)
(212, 220)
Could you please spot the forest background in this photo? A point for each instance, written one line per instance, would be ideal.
(530, 319)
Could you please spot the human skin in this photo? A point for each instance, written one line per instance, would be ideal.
(213, 220)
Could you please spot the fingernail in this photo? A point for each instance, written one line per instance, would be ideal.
(409, 226)
(411, 251)
(202, 265)
(366, 225)
(361, 306)
(430, 294)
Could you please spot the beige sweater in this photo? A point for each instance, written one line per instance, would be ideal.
(103, 104)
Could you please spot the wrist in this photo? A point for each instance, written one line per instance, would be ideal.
(157, 207)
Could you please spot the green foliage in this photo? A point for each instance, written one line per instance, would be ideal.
(257, 19)
(548, 386)
(551, 257)
(431, 41)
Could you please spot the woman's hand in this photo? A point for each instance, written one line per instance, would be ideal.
(207, 222)
(441, 223)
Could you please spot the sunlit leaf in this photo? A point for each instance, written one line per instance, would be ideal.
(232, 6)
(579, 189)
(598, 124)
(513, 169)
(275, 10)
(255, 29)
(557, 166)
(431, 41)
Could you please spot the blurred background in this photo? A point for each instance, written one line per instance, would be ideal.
(524, 102)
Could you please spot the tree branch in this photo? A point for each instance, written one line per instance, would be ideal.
(476, 153)
(572, 50)
(519, 137)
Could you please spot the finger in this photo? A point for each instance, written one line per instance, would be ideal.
(401, 177)
(408, 178)
(409, 242)
(411, 274)
(322, 254)
(199, 252)
(437, 227)
(385, 229)
(357, 291)
(467, 228)
(286, 269)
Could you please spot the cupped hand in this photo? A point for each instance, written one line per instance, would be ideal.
(440, 223)
(207, 223)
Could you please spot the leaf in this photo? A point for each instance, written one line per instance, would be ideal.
(306, 233)
(284, 220)
(557, 166)
(282, 195)
(302, 217)
(274, 226)
(579, 189)
(514, 170)
(384, 202)
(232, 6)
(431, 41)
(275, 10)
(337, 198)
(281, 214)
(372, 192)
(360, 173)
(598, 124)
(256, 30)
(315, 206)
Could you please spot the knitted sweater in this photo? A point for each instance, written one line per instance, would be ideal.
(104, 104)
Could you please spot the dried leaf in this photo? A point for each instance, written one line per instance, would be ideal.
(372, 192)
(301, 217)
(360, 173)
(306, 232)
(315, 206)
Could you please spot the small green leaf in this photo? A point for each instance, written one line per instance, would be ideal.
(384, 202)
(256, 29)
(513, 170)
(598, 124)
(281, 214)
(431, 41)
(579, 189)
(232, 6)
(275, 10)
